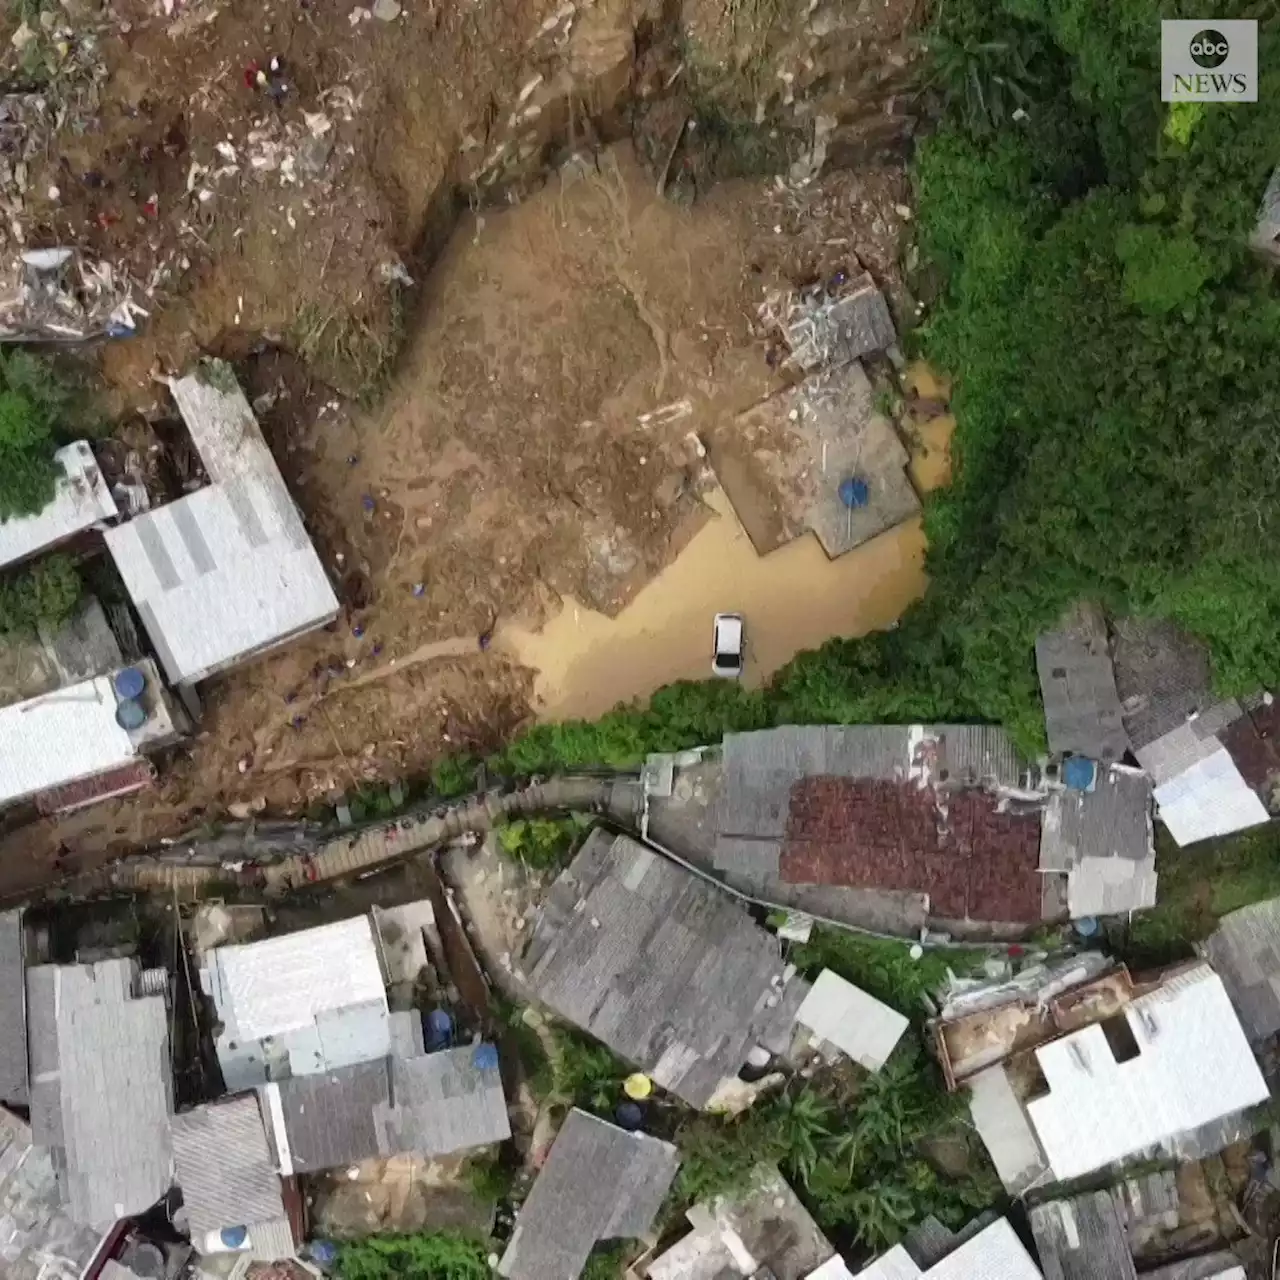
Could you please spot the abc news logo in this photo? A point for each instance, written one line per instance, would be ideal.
(1207, 61)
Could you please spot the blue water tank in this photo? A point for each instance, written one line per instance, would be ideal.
(854, 492)
(323, 1251)
(130, 714)
(485, 1057)
(130, 682)
(1087, 926)
(1079, 773)
(439, 1030)
(234, 1237)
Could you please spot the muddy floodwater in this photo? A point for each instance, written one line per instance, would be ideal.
(792, 599)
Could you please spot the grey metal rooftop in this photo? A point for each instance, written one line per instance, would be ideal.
(1078, 687)
(1245, 952)
(223, 1164)
(1103, 840)
(599, 1183)
(102, 1088)
(13, 1011)
(434, 1105)
(666, 969)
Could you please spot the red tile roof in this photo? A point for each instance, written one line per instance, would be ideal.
(1253, 742)
(974, 862)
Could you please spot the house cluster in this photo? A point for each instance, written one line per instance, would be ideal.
(212, 579)
(319, 1073)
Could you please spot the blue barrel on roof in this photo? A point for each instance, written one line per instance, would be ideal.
(1078, 773)
(439, 1030)
(324, 1252)
(234, 1237)
(130, 682)
(130, 714)
(485, 1058)
(1087, 926)
(854, 492)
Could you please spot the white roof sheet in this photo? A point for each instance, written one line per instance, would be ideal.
(993, 1254)
(291, 982)
(66, 735)
(894, 1265)
(835, 1268)
(81, 500)
(228, 570)
(856, 1023)
(1210, 798)
(1194, 1066)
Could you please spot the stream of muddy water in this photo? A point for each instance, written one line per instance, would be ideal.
(792, 599)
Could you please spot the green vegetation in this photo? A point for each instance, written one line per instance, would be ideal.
(489, 1178)
(45, 593)
(584, 1073)
(35, 404)
(858, 1151)
(440, 1256)
(608, 1261)
(542, 843)
(1245, 869)
(881, 967)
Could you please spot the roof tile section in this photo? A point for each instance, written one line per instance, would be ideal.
(668, 970)
(857, 1024)
(298, 1004)
(38, 1241)
(229, 570)
(599, 1183)
(1245, 951)
(1081, 706)
(13, 1011)
(81, 500)
(1162, 677)
(1186, 1064)
(102, 1090)
(889, 807)
(223, 1165)
(1103, 840)
(981, 865)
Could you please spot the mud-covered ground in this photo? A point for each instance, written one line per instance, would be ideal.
(534, 390)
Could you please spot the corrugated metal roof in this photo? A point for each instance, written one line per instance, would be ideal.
(1193, 1067)
(13, 1011)
(223, 1165)
(599, 1183)
(80, 501)
(1162, 677)
(316, 994)
(38, 1240)
(993, 1254)
(1183, 746)
(669, 971)
(113, 1085)
(1245, 951)
(330, 1119)
(443, 1103)
(858, 1024)
(1082, 1239)
(1209, 799)
(1103, 840)
(69, 734)
(228, 570)
(1078, 686)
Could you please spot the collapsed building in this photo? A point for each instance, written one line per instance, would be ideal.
(1078, 1067)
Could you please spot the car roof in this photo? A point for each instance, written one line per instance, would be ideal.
(729, 628)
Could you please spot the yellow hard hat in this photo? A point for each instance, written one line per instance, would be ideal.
(637, 1086)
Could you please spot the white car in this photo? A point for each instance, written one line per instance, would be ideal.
(728, 645)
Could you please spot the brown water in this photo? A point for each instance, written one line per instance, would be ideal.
(793, 599)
